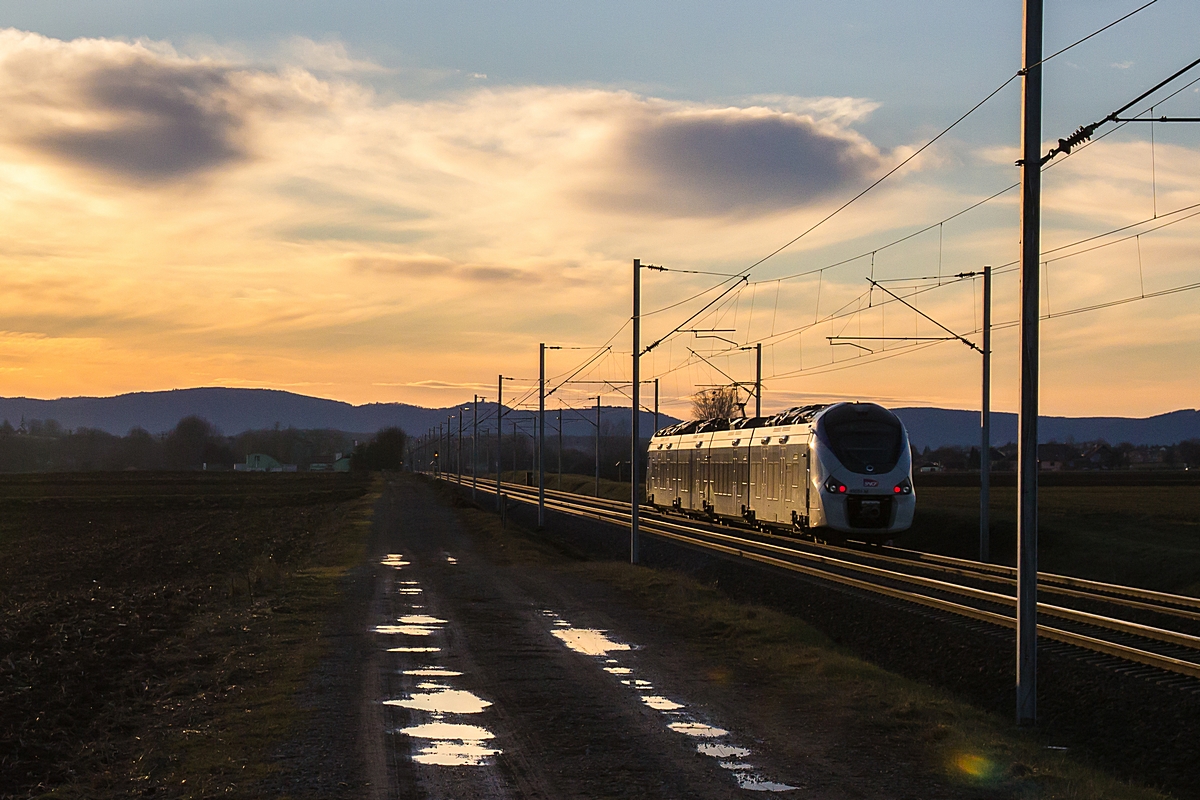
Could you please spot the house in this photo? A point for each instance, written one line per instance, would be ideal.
(1055, 457)
(261, 462)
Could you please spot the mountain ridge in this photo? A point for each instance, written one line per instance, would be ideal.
(235, 410)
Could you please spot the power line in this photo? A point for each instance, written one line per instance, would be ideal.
(882, 178)
(1096, 32)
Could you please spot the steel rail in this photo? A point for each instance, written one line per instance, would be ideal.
(1066, 586)
(1111, 623)
(745, 548)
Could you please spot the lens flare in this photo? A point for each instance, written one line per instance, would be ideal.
(976, 767)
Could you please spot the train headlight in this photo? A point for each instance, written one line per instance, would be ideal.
(904, 487)
(834, 486)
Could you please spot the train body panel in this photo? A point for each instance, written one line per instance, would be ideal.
(845, 467)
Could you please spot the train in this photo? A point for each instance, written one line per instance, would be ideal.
(830, 471)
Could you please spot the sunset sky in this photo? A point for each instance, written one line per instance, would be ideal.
(396, 201)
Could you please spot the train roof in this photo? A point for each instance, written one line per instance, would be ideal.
(797, 415)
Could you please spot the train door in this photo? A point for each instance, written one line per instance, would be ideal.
(806, 469)
(684, 457)
(773, 469)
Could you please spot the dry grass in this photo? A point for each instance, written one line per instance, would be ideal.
(968, 747)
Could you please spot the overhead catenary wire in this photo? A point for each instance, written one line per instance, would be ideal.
(908, 159)
(896, 168)
(847, 312)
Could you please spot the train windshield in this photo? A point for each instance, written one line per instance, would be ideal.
(865, 437)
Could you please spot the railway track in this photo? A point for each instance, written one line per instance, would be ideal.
(1154, 629)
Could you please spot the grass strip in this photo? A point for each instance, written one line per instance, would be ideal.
(800, 667)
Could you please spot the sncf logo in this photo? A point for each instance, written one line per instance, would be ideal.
(870, 482)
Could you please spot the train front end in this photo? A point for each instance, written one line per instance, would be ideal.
(862, 472)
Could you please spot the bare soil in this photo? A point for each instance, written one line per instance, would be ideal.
(250, 636)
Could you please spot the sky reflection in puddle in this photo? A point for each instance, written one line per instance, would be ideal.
(414, 649)
(394, 560)
(406, 630)
(448, 701)
(594, 643)
(450, 744)
(722, 751)
(421, 619)
(587, 641)
(436, 742)
(659, 703)
(699, 730)
(753, 783)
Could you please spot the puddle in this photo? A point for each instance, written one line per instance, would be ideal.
(588, 641)
(660, 703)
(699, 730)
(406, 630)
(454, 754)
(595, 643)
(414, 649)
(435, 741)
(722, 751)
(448, 731)
(394, 560)
(451, 560)
(753, 783)
(448, 744)
(451, 701)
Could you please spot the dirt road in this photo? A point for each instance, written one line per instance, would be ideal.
(496, 679)
(497, 683)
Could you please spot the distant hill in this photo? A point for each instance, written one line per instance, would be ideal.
(936, 427)
(237, 410)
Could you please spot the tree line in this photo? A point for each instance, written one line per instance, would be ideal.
(194, 443)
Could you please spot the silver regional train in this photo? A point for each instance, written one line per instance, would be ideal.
(824, 470)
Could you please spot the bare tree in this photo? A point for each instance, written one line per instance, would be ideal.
(719, 403)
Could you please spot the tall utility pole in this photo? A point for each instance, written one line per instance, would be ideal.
(758, 379)
(637, 385)
(1027, 462)
(656, 405)
(597, 445)
(499, 433)
(541, 442)
(458, 455)
(474, 445)
(560, 450)
(985, 420)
